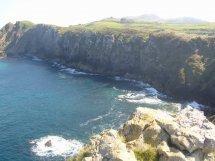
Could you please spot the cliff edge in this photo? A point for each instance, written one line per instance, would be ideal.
(155, 135)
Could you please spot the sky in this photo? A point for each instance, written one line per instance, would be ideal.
(69, 12)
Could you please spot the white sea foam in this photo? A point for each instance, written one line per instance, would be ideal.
(95, 119)
(140, 98)
(58, 65)
(152, 91)
(117, 78)
(63, 76)
(178, 106)
(75, 72)
(36, 58)
(59, 147)
(132, 96)
(196, 105)
(147, 87)
(147, 100)
(72, 71)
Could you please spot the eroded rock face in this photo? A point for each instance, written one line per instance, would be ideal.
(185, 136)
(109, 146)
(170, 154)
(191, 131)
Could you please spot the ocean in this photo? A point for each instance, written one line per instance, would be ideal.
(40, 101)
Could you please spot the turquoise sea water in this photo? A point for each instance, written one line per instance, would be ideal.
(38, 100)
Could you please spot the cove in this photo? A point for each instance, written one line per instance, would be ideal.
(38, 100)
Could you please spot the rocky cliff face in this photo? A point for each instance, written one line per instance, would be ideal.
(179, 66)
(154, 135)
(11, 33)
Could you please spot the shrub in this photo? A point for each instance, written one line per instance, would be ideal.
(147, 155)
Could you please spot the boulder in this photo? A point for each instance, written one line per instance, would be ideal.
(141, 119)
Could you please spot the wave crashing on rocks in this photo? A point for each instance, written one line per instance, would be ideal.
(51, 146)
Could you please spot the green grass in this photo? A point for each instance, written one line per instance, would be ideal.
(135, 28)
(114, 26)
(25, 24)
(148, 155)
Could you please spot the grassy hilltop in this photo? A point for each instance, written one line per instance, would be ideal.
(112, 25)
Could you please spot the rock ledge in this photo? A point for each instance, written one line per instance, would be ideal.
(151, 135)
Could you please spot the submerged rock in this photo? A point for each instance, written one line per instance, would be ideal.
(212, 119)
(156, 135)
(48, 143)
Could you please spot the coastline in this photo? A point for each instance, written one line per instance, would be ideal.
(179, 66)
(209, 111)
(72, 69)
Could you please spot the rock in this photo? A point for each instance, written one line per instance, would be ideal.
(94, 157)
(110, 146)
(191, 131)
(184, 141)
(185, 136)
(198, 155)
(48, 143)
(141, 119)
(87, 159)
(209, 157)
(212, 119)
(170, 154)
(154, 134)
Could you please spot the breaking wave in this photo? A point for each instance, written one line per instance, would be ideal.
(95, 119)
(140, 98)
(196, 105)
(58, 146)
(34, 58)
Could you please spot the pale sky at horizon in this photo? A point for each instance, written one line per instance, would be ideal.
(68, 12)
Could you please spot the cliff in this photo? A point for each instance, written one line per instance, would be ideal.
(11, 33)
(154, 135)
(177, 60)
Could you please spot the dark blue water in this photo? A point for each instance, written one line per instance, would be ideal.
(37, 100)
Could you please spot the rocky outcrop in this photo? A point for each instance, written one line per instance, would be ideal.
(11, 33)
(151, 135)
(212, 119)
(181, 66)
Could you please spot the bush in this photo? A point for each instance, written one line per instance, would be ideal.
(148, 155)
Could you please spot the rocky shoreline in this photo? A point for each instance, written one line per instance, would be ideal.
(179, 66)
(155, 135)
